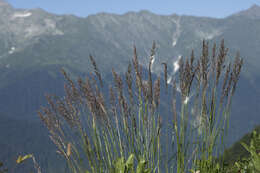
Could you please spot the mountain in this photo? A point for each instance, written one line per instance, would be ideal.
(253, 12)
(35, 45)
(4, 3)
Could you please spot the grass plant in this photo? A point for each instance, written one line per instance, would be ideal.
(122, 131)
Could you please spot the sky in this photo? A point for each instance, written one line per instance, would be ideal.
(83, 8)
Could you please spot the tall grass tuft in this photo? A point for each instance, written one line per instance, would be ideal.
(206, 90)
(122, 131)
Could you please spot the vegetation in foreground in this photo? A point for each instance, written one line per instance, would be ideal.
(244, 156)
(237, 159)
(123, 132)
(237, 151)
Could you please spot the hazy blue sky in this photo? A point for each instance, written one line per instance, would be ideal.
(211, 8)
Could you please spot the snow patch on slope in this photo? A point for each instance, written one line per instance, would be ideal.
(33, 30)
(169, 80)
(152, 59)
(21, 15)
(176, 65)
(11, 51)
(208, 35)
(7, 66)
(38, 29)
(186, 100)
(177, 33)
(52, 25)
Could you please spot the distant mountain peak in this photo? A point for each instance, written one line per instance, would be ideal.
(254, 9)
(4, 3)
(253, 12)
(255, 6)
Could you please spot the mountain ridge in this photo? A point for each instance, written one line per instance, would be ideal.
(253, 8)
(4, 3)
(253, 12)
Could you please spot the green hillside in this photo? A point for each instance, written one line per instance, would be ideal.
(237, 151)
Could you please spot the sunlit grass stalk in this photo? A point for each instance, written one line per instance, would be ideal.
(101, 135)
